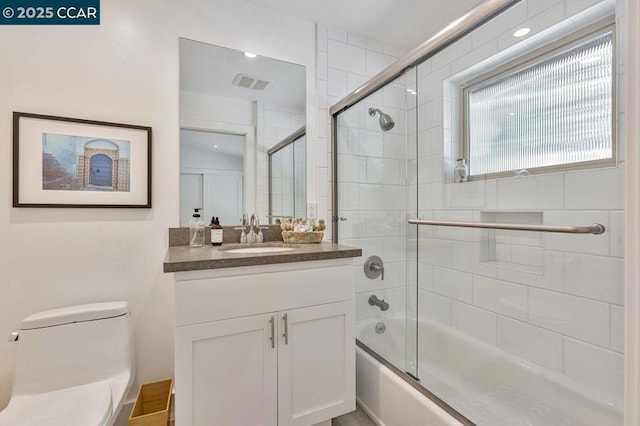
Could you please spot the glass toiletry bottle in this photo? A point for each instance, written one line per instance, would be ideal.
(243, 236)
(196, 230)
(259, 236)
(461, 172)
(216, 232)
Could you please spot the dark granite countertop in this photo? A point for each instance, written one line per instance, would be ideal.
(185, 258)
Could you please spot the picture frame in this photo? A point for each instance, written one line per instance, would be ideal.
(77, 163)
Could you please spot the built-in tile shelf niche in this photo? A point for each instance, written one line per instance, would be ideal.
(521, 251)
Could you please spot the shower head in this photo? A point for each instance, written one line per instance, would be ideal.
(386, 122)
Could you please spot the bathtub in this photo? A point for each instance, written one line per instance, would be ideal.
(485, 384)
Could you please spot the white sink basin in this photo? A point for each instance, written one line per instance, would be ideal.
(254, 250)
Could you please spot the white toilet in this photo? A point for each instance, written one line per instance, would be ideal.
(74, 366)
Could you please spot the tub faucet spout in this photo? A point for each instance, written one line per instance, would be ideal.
(374, 301)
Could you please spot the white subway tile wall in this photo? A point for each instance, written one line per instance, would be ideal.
(538, 345)
(551, 299)
(599, 368)
(475, 322)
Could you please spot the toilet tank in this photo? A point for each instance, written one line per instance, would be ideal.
(72, 346)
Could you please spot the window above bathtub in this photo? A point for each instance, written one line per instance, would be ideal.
(550, 110)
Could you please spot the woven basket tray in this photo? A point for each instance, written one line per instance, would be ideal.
(302, 237)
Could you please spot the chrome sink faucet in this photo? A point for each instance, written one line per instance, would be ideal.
(255, 230)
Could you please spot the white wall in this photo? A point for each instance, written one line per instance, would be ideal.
(125, 70)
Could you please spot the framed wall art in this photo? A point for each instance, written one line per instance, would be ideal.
(69, 162)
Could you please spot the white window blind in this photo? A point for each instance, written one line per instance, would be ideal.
(557, 111)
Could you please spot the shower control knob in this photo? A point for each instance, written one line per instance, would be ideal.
(374, 267)
(343, 219)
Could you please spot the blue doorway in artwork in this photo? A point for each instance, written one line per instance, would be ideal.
(101, 169)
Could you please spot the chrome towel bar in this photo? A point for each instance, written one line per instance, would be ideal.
(595, 229)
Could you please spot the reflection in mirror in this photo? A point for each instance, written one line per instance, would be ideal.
(233, 109)
(287, 177)
(212, 168)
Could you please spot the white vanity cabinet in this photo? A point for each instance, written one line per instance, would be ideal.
(265, 345)
(226, 373)
(316, 364)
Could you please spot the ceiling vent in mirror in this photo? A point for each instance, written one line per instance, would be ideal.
(249, 82)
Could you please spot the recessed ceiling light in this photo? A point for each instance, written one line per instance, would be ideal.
(215, 146)
(250, 55)
(521, 32)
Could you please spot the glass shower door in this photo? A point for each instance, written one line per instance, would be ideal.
(514, 326)
(372, 138)
(506, 325)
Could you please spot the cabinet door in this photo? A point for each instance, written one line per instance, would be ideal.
(226, 372)
(316, 363)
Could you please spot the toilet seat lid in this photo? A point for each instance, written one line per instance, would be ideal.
(84, 405)
(71, 314)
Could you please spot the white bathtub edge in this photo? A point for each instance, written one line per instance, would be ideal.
(388, 399)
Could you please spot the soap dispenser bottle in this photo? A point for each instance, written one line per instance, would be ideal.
(216, 232)
(196, 230)
(461, 171)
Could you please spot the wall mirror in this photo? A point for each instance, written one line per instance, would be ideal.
(234, 108)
